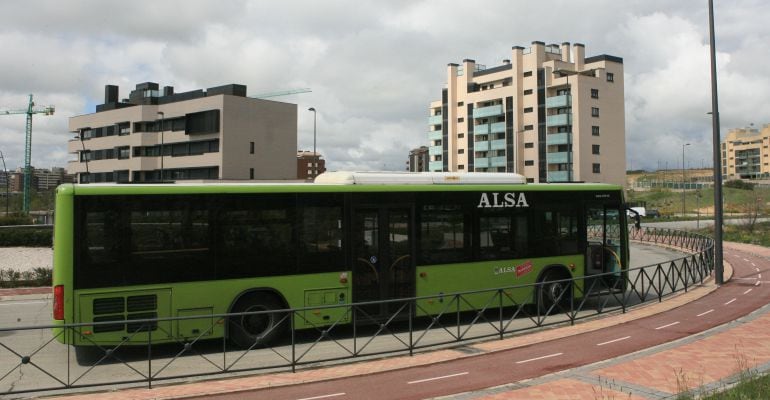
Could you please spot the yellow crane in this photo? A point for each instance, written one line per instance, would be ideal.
(280, 93)
(29, 111)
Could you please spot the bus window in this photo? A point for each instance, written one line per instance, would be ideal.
(502, 234)
(442, 234)
(320, 239)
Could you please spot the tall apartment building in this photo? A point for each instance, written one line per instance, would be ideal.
(419, 159)
(159, 135)
(548, 113)
(745, 153)
(305, 161)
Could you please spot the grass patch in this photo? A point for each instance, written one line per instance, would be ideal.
(759, 234)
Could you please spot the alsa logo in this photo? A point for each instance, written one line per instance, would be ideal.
(502, 200)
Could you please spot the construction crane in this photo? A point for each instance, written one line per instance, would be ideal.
(281, 93)
(30, 110)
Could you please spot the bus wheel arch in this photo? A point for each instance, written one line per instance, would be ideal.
(257, 330)
(550, 290)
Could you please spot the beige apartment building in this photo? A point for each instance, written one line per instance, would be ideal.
(548, 113)
(745, 153)
(213, 134)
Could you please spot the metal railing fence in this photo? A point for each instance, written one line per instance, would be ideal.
(34, 360)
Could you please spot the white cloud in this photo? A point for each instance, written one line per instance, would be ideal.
(375, 66)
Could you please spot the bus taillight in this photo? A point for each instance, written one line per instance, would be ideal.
(58, 302)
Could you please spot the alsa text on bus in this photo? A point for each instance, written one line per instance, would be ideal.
(496, 200)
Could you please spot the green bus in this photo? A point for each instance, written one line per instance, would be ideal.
(127, 252)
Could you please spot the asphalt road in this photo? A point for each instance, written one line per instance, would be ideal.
(746, 292)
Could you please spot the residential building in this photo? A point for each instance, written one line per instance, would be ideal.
(305, 160)
(419, 159)
(745, 153)
(212, 134)
(548, 113)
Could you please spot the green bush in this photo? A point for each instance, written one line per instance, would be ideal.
(15, 219)
(26, 237)
(739, 184)
(39, 276)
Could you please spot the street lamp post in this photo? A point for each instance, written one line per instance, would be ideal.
(315, 155)
(7, 195)
(718, 255)
(683, 178)
(162, 120)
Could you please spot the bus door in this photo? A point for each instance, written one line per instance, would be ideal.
(383, 266)
(604, 253)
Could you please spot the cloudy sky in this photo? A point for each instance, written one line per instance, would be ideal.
(374, 66)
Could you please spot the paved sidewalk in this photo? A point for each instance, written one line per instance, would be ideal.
(701, 362)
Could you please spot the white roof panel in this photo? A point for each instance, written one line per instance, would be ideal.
(418, 178)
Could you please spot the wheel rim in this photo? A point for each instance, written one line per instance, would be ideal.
(257, 325)
(554, 291)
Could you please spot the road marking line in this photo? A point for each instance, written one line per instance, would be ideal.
(326, 396)
(666, 326)
(747, 291)
(730, 301)
(757, 269)
(754, 265)
(704, 313)
(747, 260)
(745, 279)
(437, 378)
(539, 358)
(13, 303)
(759, 276)
(613, 341)
(757, 284)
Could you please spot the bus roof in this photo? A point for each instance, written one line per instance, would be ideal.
(419, 178)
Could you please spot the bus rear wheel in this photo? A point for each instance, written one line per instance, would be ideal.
(260, 329)
(554, 290)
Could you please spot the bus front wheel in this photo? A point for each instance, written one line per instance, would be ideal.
(260, 328)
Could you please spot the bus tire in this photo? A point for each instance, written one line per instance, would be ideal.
(257, 330)
(552, 290)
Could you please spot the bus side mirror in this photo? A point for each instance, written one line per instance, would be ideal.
(635, 215)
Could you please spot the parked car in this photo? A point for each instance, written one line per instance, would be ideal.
(653, 213)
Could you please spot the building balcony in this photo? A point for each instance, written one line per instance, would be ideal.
(558, 138)
(498, 144)
(436, 166)
(559, 101)
(481, 163)
(435, 119)
(435, 150)
(497, 161)
(564, 157)
(558, 120)
(497, 127)
(435, 135)
(482, 129)
(481, 146)
(490, 111)
(558, 176)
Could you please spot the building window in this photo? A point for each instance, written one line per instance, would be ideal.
(595, 149)
(460, 135)
(529, 127)
(461, 151)
(594, 111)
(595, 130)
(461, 119)
(460, 104)
(527, 73)
(251, 147)
(461, 166)
(610, 77)
(528, 110)
(597, 168)
(594, 93)
(123, 152)
(529, 145)
(529, 162)
(528, 91)
(251, 173)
